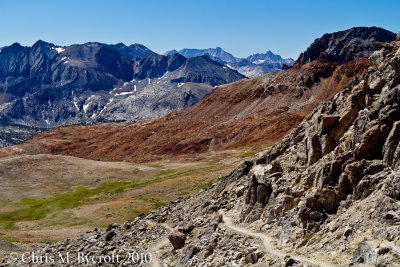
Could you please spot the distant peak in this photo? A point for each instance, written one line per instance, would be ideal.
(201, 58)
(173, 55)
(93, 44)
(171, 52)
(13, 48)
(16, 44)
(41, 43)
(206, 56)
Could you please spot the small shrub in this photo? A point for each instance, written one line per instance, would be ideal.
(339, 235)
(320, 239)
(247, 154)
(310, 237)
(8, 238)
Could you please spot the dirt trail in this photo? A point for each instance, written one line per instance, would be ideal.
(267, 241)
(154, 248)
(269, 248)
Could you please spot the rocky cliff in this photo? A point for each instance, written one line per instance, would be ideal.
(345, 45)
(326, 195)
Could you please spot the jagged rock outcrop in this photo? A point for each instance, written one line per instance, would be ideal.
(348, 157)
(177, 239)
(155, 65)
(345, 45)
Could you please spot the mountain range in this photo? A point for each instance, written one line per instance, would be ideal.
(252, 66)
(47, 85)
(246, 112)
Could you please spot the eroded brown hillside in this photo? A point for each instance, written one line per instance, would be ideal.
(248, 112)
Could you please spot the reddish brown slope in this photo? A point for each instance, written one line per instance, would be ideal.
(247, 112)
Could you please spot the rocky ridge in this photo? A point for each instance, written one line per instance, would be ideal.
(345, 45)
(326, 195)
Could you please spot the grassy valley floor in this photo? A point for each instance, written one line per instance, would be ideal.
(46, 198)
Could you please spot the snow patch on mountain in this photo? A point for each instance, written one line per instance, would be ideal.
(59, 49)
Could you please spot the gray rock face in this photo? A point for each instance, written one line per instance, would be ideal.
(391, 149)
(155, 66)
(177, 239)
(181, 86)
(41, 84)
(345, 45)
(365, 254)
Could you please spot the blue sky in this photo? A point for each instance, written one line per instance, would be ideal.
(240, 27)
